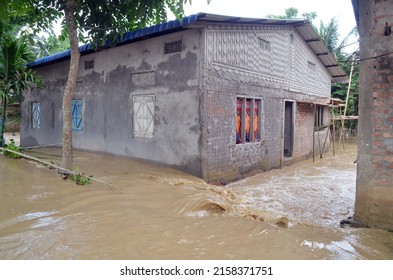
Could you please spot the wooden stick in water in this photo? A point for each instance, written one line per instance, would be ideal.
(58, 168)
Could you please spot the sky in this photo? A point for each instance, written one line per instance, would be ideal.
(341, 9)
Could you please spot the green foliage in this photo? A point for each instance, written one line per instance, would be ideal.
(339, 90)
(48, 44)
(310, 16)
(81, 179)
(14, 77)
(10, 10)
(102, 20)
(329, 33)
(12, 147)
(57, 44)
(292, 13)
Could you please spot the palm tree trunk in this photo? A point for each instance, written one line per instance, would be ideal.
(70, 86)
(2, 141)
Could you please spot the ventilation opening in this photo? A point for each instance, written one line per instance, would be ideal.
(89, 64)
(173, 47)
(311, 66)
(263, 44)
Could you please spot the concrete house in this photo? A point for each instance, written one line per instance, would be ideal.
(217, 96)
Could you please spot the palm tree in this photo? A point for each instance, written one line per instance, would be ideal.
(14, 76)
(329, 33)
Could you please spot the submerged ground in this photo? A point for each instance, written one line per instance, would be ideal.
(162, 213)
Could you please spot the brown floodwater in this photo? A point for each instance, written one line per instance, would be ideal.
(161, 213)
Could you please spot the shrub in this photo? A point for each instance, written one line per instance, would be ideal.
(12, 147)
(81, 179)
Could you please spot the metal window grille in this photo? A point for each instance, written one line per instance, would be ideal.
(173, 47)
(319, 121)
(248, 120)
(77, 120)
(36, 115)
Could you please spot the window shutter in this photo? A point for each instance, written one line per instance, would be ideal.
(77, 106)
(143, 116)
(36, 114)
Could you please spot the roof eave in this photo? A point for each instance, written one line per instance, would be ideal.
(303, 27)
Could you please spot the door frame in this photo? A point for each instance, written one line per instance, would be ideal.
(291, 144)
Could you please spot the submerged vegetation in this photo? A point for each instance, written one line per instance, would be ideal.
(81, 179)
(13, 151)
(12, 147)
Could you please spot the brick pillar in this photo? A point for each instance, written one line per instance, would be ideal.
(374, 184)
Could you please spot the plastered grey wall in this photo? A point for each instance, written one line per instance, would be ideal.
(107, 92)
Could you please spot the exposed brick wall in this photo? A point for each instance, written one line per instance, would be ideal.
(303, 109)
(374, 185)
(383, 120)
(304, 129)
(305, 137)
(224, 160)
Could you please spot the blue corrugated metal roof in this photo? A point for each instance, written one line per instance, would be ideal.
(159, 29)
(128, 37)
(304, 28)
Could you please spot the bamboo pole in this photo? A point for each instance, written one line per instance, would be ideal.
(334, 132)
(343, 117)
(313, 134)
(319, 141)
(326, 136)
(58, 168)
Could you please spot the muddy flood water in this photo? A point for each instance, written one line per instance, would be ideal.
(162, 213)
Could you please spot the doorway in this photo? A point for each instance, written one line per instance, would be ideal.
(288, 128)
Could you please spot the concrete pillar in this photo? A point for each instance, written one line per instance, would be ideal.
(374, 184)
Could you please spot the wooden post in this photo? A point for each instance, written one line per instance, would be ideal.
(313, 134)
(334, 132)
(343, 117)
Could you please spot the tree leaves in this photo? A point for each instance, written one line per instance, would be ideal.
(104, 20)
(14, 77)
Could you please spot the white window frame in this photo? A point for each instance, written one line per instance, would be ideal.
(143, 116)
(35, 114)
(77, 107)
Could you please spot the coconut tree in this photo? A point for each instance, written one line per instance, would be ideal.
(15, 78)
(330, 35)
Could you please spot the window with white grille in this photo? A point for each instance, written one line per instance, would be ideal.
(77, 110)
(36, 114)
(143, 107)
